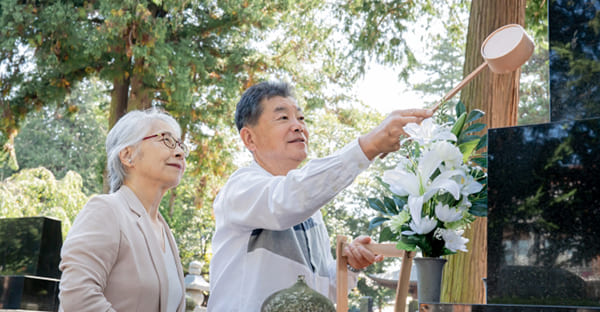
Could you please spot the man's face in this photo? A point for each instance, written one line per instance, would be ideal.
(279, 140)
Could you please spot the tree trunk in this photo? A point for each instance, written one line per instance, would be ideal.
(498, 96)
(118, 101)
(118, 107)
(140, 97)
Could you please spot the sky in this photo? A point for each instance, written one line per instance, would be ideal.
(381, 89)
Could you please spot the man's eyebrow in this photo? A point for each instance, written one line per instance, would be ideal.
(280, 109)
(285, 109)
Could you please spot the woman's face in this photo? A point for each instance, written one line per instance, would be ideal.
(155, 162)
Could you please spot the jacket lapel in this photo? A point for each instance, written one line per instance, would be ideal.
(152, 243)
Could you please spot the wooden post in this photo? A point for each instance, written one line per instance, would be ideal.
(341, 276)
(386, 250)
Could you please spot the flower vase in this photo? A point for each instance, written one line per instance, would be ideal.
(429, 278)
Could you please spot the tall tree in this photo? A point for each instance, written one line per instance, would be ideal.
(190, 57)
(498, 96)
(61, 140)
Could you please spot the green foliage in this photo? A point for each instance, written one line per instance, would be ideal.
(444, 52)
(36, 192)
(534, 90)
(375, 31)
(61, 141)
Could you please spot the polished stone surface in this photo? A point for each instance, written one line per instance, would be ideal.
(28, 293)
(30, 246)
(448, 307)
(574, 59)
(29, 258)
(544, 214)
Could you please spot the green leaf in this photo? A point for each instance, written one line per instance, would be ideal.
(463, 138)
(479, 207)
(467, 149)
(459, 124)
(474, 115)
(377, 205)
(447, 252)
(390, 204)
(460, 109)
(481, 160)
(387, 235)
(476, 127)
(406, 246)
(377, 221)
(483, 142)
(400, 202)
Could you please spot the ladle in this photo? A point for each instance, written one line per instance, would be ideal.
(504, 51)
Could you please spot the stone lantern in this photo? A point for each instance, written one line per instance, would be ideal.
(195, 288)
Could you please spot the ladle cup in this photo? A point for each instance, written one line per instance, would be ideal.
(503, 51)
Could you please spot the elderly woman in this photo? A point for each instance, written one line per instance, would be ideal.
(120, 254)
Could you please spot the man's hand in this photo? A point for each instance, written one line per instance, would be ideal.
(385, 138)
(358, 256)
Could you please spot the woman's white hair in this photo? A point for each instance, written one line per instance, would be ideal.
(129, 131)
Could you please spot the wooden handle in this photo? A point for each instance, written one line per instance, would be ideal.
(459, 86)
(384, 249)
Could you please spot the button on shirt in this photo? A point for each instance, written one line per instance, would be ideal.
(269, 230)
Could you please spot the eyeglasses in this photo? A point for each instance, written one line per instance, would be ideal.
(170, 141)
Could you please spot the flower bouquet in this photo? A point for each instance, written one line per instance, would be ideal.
(438, 189)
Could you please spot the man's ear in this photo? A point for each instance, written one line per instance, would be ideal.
(126, 157)
(248, 136)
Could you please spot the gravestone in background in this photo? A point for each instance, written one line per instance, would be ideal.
(29, 258)
(574, 28)
(544, 180)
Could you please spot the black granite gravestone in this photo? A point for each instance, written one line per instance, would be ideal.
(449, 307)
(544, 180)
(574, 59)
(543, 214)
(29, 258)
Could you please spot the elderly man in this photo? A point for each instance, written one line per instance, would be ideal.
(269, 228)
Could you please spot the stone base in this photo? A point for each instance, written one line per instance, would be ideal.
(31, 293)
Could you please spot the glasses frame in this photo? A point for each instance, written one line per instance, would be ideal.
(170, 142)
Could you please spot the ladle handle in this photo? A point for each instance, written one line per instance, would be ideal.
(459, 86)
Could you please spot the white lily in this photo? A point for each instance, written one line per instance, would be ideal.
(453, 239)
(446, 152)
(424, 226)
(418, 223)
(447, 214)
(403, 182)
(444, 182)
(470, 186)
(428, 132)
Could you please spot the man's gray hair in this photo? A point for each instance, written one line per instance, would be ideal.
(129, 131)
(248, 109)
